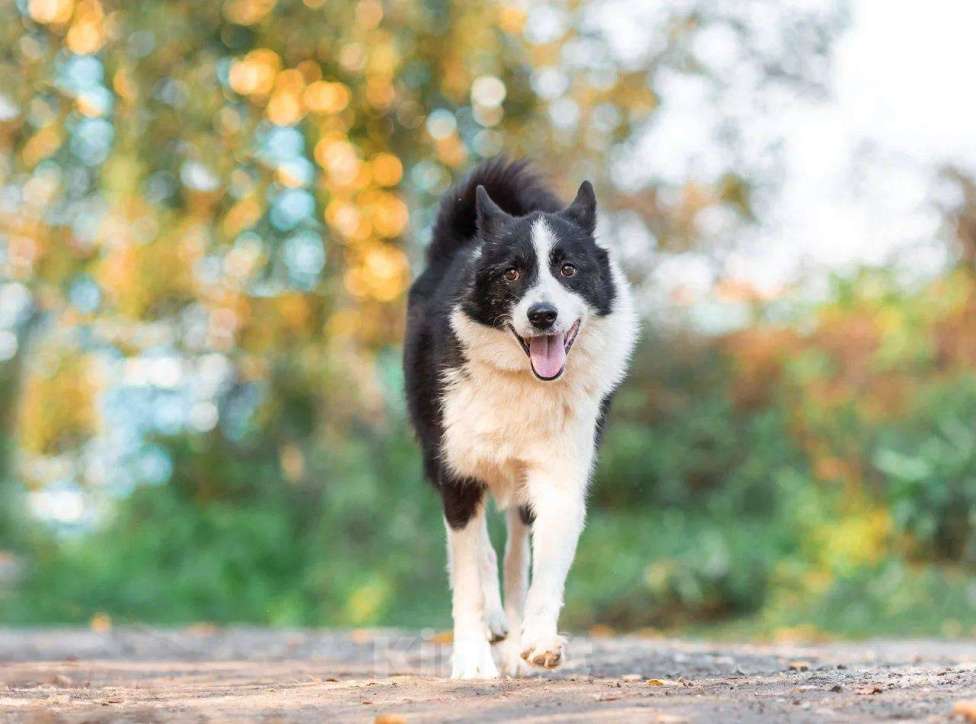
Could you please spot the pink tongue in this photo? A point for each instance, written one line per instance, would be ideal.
(547, 354)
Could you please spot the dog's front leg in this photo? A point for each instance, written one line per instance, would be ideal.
(495, 619)
(463, 518)
(560, 508)
(516, 586)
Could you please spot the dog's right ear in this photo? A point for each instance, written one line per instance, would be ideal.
(582, 211)
(490, 216)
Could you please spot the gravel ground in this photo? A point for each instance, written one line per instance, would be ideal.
(208, 674)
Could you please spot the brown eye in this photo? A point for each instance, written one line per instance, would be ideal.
(568, 270)
(512, 274)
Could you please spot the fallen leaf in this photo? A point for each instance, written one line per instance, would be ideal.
(389, 719)
(869, 690)
(442, 637)
(966, 709)
(663, 682)
(799, 666)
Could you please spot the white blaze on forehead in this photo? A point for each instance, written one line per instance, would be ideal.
(543, 239)
(569, 305)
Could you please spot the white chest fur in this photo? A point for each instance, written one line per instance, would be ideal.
(500, 421)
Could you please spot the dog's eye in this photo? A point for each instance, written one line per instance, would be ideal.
(567, 270)
(512, 274)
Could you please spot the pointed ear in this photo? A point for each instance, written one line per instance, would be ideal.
(490, 216)
(582, 211)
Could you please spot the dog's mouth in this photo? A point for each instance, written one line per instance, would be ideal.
(547, 352)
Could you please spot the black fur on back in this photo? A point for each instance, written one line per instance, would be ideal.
(511, 184)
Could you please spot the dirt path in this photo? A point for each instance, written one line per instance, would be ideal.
(204, 674)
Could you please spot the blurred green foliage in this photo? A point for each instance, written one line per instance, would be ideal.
(928, 462)
(207, 218)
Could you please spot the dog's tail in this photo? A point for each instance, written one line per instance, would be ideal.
(513, 185)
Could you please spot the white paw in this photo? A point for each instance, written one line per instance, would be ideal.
(471, 659)
(548, 650)
(497, 624)
(510, 659)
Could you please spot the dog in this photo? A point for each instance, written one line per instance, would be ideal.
(518, 332)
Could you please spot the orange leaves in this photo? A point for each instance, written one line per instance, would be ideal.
(57, 404)
(340, 161)
(758, 355)
(326, 97)
(124, 85)
(345, 218)
(359, 210)
(372, 213)
(87, 33)
(379, 271)
(954, 332)
(369, 13)
(268, 324)
(511, 19)
(254, 74)
(870, 357)
(387, 212)
(451, 150)
(289, 93)
(42, 144)
(51, 12)
(285, 107)
(88, 29)
(143, 279)
(242, 215)
(387, 169)
(380, 93)
(247, 12)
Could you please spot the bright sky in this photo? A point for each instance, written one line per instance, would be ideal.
(860, 182)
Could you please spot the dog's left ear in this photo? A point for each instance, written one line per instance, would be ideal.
(582, 211)
(489, 215)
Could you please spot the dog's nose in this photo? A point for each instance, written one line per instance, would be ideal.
(542, 315)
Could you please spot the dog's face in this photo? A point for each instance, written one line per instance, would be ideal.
(539, 278)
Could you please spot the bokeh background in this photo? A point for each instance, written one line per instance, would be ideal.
(210, 214)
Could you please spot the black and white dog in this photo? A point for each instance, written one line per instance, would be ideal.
(518, 332)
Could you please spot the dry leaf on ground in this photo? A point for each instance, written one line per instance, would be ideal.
(966, 709)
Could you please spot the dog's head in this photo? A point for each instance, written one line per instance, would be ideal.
(539, 278)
